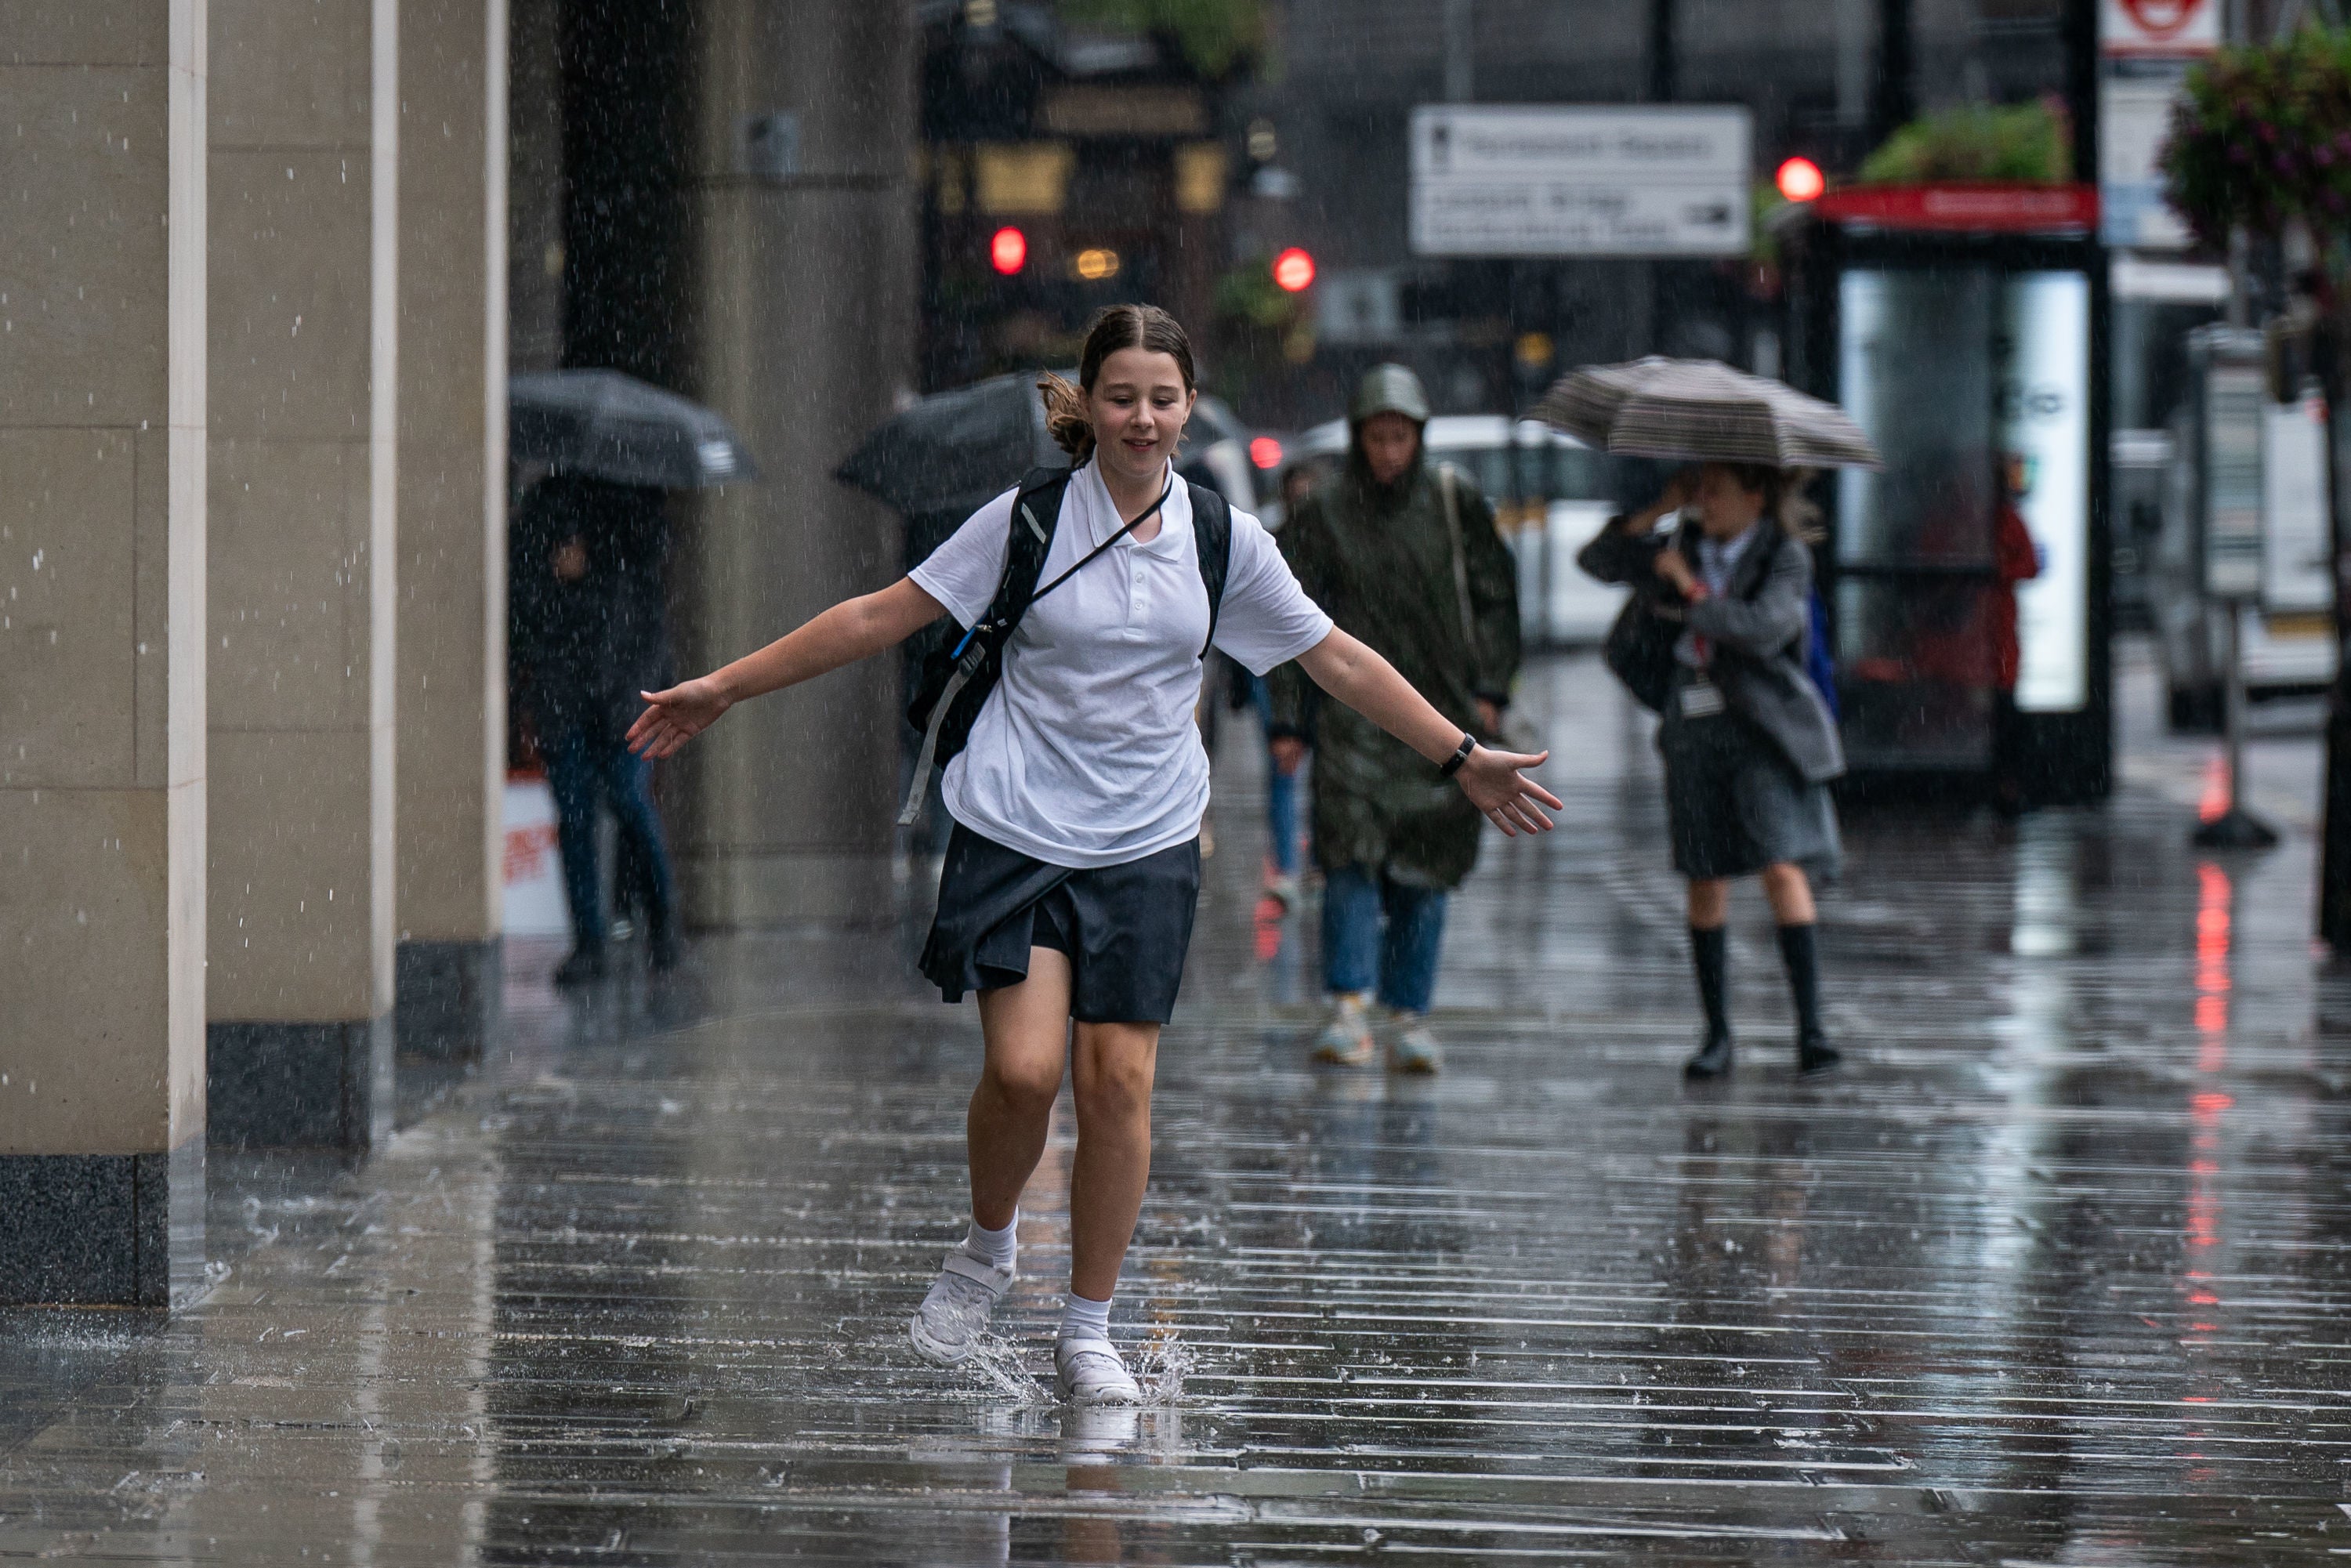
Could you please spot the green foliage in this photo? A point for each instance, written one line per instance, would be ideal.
(1248, 295)
(2028, 141)
(2263, 139)
(1215, 36)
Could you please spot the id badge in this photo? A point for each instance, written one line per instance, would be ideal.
(1702, 699)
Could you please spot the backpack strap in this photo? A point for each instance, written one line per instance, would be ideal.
(1036, 514)
(1212, 534)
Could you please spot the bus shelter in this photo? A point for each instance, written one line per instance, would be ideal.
(1967, 582)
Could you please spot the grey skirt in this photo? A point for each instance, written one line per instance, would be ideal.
(1126, 928)
(1735, 804)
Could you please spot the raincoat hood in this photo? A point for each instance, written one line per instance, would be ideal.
(1385, 389)
(1388, 389)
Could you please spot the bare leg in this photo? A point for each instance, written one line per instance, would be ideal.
(1709, 903)
(1027, 1027)
(1787, 888)
(1112, 1070)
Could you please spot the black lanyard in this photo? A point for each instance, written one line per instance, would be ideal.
(1090, 557)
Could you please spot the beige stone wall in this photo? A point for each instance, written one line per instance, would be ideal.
(803, 333)
(303, 139)
(103, 743)
(452, 484)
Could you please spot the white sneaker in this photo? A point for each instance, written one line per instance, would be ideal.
(948, 1323)
(1346, 1037)
(1411, 1047)
(1089, 1372)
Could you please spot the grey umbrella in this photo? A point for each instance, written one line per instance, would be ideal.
(1701, 410)
(954, 450)
(605, 425)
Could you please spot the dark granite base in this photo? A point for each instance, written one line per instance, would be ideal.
(299, 1085)
(449, 999)
(102, 1230)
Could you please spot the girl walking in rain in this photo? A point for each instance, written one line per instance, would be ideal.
(1073, 870)
(1748, 742)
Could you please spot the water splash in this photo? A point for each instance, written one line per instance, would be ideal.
(998, 1367)
(1166, 1361)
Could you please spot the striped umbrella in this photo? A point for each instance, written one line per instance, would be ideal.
(1701, 411)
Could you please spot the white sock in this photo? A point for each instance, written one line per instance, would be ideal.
(1082, 1319)
(995, 1247)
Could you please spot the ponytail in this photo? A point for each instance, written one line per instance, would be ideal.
(1065, 417)
(1145, 327)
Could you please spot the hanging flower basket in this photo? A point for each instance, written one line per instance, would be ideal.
(2263, 137)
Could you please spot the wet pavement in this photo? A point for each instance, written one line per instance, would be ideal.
(2056, 1272)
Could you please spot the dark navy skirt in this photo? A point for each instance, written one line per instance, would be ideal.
(1124, 927)
(1735, 803)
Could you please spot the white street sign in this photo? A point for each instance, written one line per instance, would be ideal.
(1491, 180)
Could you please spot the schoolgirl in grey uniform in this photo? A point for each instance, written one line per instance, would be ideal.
(1749, 746)
(1067, 897)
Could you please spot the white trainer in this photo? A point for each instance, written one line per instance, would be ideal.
(948, 1323)
(1089, 1372)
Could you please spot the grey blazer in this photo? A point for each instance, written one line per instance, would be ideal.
(1761, 630)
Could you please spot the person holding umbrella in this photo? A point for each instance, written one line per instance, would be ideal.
(1717, 640)
(1071, 880)
(1748, 743)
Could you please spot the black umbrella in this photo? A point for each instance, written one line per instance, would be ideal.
(601, 424)
(954, 450)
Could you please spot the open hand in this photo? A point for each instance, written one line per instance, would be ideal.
(675, 717)
(1496, 783)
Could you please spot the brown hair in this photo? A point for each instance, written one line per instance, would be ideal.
(1783, 496)
(1144, 327)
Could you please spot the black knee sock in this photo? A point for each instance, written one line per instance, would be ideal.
(1798, 952)
(1710, 956)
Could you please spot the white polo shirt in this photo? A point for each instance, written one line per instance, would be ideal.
(1086, 753)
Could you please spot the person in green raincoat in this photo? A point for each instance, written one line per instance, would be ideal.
(1432, 587)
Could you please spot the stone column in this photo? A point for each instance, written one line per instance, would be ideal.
(305, 111)
(802, 332)
(453, 550)
(101, 652)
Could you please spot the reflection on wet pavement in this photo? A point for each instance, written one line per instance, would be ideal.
(2055, 1273)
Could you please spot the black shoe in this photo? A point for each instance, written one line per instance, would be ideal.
(1712, 1060)
(1815, 1054)
(585, 963)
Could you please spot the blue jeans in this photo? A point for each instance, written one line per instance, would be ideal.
(1280, 790)
(1358, 955)
(581, 767)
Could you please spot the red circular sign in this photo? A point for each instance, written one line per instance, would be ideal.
(2162, 19)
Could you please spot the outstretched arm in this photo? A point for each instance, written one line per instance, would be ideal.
(851, 629)
(1492, 779)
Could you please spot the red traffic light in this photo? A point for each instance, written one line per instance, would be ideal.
(1800, 179)
(1008, 251)
(1293, 271)
(1266, 452)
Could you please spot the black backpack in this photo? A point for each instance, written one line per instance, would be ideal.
(958, 676)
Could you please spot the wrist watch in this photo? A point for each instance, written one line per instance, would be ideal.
(1460, 755)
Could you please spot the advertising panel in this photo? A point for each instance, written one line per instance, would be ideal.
(2044, 421)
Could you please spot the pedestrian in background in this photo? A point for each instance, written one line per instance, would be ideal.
(1073, 872)
(1283, 761)
(1406, 559)
(586, 559)
(1749, 746)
